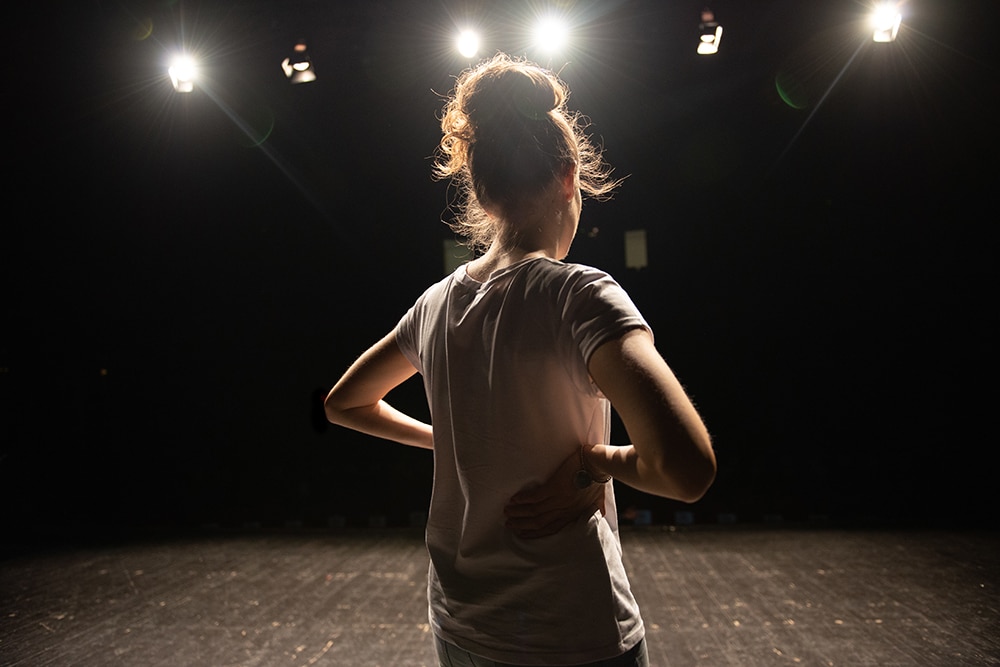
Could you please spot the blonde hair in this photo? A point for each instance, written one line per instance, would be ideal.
(506, 135)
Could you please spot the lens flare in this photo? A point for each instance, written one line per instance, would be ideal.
(143, 30)
(791, 91)
(254, 127)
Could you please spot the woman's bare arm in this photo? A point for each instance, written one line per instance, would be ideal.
(357, 400)
(671, 452)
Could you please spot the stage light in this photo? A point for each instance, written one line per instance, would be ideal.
(299, 67)
(711, 34)
(885, 23)
(468, 43)
(183, 73)
(551, 34)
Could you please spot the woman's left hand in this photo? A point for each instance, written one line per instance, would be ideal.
(548, 508)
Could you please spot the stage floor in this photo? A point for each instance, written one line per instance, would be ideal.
(719, 596)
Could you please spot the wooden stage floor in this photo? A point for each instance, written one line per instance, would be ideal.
(714, 596)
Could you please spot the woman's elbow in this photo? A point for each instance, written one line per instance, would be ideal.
(333, 408)
(694, 487)
(695, 477)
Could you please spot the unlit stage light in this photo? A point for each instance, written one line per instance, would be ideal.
(299, 67)
(635, 249)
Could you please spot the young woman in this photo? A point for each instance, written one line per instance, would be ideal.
(520, 354)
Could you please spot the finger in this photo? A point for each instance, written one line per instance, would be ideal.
(545, 530)
(540, 520)
(532, 495)
(551, 526)
(535, 509)
(579, 501)
(561, 516)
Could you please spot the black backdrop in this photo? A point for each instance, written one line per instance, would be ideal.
(185, 275)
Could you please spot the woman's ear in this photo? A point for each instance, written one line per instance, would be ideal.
(569, 179)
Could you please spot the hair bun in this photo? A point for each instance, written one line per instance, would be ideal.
(511, 95)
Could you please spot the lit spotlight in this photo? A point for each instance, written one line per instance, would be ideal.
(468, 43)
(551, 34)
(711, 34)
(299, 67)
(182, 73)
(885, 23)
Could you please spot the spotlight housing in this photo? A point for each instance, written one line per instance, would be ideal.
(711, 34)
(298, 67)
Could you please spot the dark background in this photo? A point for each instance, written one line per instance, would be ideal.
(185, 276)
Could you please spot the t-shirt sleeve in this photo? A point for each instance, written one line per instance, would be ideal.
(597, 309)
(407, 336)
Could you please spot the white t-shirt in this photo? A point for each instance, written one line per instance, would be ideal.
(504, 365)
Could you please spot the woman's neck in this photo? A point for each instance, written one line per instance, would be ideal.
(497, 258)
(545, 227)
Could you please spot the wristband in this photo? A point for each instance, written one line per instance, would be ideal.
(583, 478)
